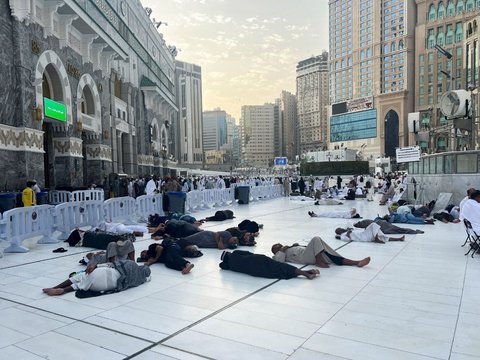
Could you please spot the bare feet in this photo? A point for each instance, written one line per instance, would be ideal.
(53, 291)
(187, 268)
(364, 262)
(377, 240)
(322, 264)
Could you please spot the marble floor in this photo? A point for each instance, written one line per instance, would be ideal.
(416, 300)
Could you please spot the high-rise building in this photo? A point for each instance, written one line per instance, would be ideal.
(312, 102)
(214, 129)
(289, 123)
(371, 74)
(257, 135)
(189, 144)
(442, 23)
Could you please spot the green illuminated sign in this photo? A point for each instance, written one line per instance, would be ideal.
(55, 110)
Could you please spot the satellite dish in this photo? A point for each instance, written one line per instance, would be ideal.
(453, 104)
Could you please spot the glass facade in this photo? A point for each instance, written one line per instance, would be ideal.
(464, 163)
(353, 126)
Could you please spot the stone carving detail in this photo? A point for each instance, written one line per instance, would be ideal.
(99, 152)
(145, 160)
(21, 139)
(21, 10)
(71, 147)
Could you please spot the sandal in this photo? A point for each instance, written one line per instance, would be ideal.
(60, 250)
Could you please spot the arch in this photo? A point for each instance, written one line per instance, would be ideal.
(391, 133)
(450, 8)
(155, 136)
(50, 65)
(401, 45)
(441, 10)
(393, 46)
(432, 13)
(88, 103)
(164, 141)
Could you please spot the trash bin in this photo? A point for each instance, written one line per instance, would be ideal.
(42, 198)
(176, 201)
(243, 194)
(7, 202)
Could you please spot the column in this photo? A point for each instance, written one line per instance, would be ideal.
(119, 153)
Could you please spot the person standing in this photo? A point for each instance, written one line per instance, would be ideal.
(29, 198)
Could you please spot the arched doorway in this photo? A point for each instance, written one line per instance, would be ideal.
(51, 81)
(391, 133)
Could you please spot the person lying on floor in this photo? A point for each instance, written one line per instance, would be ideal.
(262, 266)
(245, 238)
(407, 218)
(317, 252)
(372, 233)
(118, 228)
(250, 226)
(174, 228)
(351, 214)
(220, 215)
(210, 239)
(116, 250)
(155, 219)
(169, 253)
(328, 202)
(386, 227)
(108, 277)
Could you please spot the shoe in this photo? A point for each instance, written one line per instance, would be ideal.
(60, 250)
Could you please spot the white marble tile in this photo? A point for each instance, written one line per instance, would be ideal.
(267, 339)
(224, 349)
(356, 350)
(133, 330)
(13, 352)
(10, 337)
(56, 346)
(27, 322)
(175, 353)
(389, 339)
(305, 354)
(105, 338)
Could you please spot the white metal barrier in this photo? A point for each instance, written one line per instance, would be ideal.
(88, 195)
(122, 209)
(56, 197)
(24, 223)
(149, 204)
(208, 199)
(70, 215)
(194, 200)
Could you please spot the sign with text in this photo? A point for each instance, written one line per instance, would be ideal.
(55, 110)
(408, 154)
(280, 161)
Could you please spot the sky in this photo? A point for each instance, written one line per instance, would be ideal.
(248, 49)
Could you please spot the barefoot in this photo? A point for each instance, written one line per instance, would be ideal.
(54, 291)
(187, 268)
(364, 262)
(323, 265)
(353, 211)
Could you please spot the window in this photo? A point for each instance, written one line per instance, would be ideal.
(459, 32)
(430, 39)
(440, 36)
(432, 14)
(470, 5)
(467, 163)
(460, 6)
(450, 35)
(441, 10)
(450, 8)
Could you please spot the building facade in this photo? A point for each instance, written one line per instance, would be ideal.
(312, 102)
(189, 125)
(214, 129)
(87, 90)
(446, 24)
(257, 135)
(289, 123)
(371, 51)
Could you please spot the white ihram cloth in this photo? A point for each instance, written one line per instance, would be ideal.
(103, 278)
(366, 235)
(150, 187)
(462, 203)
(335, 214)
(118, 228)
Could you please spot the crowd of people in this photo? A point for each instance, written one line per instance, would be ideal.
(180, 237)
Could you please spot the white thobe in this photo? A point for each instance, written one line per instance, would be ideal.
(366, 235)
